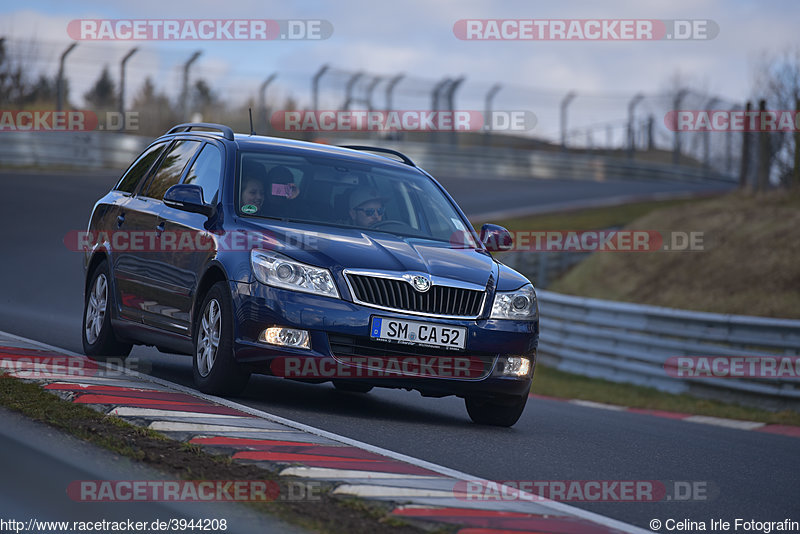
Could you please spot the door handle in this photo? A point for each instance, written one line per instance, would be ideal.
(120, 220)
(160, 227)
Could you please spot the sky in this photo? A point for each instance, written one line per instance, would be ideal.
(417, 38)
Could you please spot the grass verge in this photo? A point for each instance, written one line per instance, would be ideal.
(592, 218)
(329, 514)
(554, 383)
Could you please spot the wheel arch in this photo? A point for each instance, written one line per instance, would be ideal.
(97, 257)
(214, 273)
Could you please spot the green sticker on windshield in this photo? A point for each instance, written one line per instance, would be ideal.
(249, 208)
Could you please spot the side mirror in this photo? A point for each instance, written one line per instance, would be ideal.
(187, 197)
(496, 238)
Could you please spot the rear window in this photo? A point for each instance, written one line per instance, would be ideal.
(138, 171)
(171, 169)
(205, 172)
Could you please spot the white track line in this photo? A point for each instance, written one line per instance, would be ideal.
(341, 474)
(601, 405)
(369, 490)
(127, 411)
(719, 421)
(559, 508)
(174, 426)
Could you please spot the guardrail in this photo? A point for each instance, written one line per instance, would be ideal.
(92, 150)
(99, 149)
(485, 162)
(630, 343)
(542, 268)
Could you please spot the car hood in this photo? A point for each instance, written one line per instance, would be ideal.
(346, 248)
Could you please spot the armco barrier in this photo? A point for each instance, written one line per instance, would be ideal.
(542, 268)
(630, 343)
(98, 149)
(93, 150)
(486, 162)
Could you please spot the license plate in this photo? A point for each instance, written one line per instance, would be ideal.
(416, 333)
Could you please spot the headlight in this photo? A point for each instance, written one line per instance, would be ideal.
(520, 304)
(277, 270)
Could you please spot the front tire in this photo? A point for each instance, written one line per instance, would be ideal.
(214, 367)
(99, 341)
(504, 412)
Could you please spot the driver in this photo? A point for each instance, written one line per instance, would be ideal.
(366, 208)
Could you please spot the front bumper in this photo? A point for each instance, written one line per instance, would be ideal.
(258, 306)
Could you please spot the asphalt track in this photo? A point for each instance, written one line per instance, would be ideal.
(39, 462)
(747, 475)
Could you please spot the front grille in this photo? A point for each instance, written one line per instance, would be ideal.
(349, 349)
(400, 295)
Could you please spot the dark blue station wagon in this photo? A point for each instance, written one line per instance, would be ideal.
(311, 262)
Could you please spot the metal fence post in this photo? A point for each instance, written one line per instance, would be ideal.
(631, 108)
(262, 100)
(122, 84)
(676, 151)
(564, 103)
(185, 90)
(744, 182)
(707, 139)
(763, 152)
(60, 79)
(487, 116)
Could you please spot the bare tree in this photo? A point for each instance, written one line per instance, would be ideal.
(777, 79)
(17, 90)
(12, 78)
(156, 113)
(102, 96)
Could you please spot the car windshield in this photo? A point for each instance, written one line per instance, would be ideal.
(349, 194)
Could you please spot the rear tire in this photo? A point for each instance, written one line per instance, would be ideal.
(496, 413)
(214, 367)
(99, 341)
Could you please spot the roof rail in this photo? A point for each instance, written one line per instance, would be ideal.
(226, 131)
(400, 155)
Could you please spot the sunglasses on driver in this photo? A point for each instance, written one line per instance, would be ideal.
(370, 212)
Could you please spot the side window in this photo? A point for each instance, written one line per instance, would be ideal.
(138, 170)
(205, 172)
(171, 168)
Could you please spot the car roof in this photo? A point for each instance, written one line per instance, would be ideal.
(261, 142)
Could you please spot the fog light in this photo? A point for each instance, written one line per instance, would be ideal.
(517, 366)
(286, 337)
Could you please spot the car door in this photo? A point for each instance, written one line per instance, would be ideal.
(194, 246)
(150, 278)
(120, 219)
